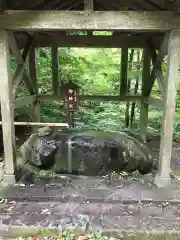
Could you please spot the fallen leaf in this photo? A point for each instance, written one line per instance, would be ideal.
(177, 213)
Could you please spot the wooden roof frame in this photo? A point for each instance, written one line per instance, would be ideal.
(100, 5)
(132, 26)
(84, 20)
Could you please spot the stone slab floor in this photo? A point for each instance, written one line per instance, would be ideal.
(125, 202)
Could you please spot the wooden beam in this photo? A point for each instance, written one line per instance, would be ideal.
(93, 98)
(144, 105)
(32, 73)
(55, 70)
(89, 41)
(163, 177)
(127, 104)
(157, 65)
(127, 122)
(155, 102)
(20, 59)
(14, 48)
(88, 5)
(133, 106)
(23, 101)
(124, 70)
(32, 68)
(157, 71)
(76, 20)
(7, 109)
(2, 6)
(160, 79)
(40, 124)
(159, 103)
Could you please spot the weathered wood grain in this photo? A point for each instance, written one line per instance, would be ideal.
(157, 66)
(163, 177)
(85, 20)
(7, 108)
(90, 41)
(39, 124)
(88, 5)
(123, 71)
(94, 98)
(23, 101)
(144, 105)
(32, 73)
(21, 60)
(55, 69)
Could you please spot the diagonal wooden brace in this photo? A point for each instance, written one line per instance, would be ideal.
(157, 60)
(20, 73)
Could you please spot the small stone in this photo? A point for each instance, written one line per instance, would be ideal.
(2, 201)
(21, 185)
(12, 202)
(46, 211)
(10, 208)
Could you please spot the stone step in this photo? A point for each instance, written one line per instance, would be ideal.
(105, 217)
(126, 194)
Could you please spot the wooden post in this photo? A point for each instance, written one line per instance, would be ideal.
(33, 77)
(132, 118)
(127, 119)
(127, 105)
(124, 68)
(138, 68)
(55, 70)
(144, 105)
(162, 178)
(88, 5)
(157, 66)
(7, 109)
(2, 6)
(124, 80)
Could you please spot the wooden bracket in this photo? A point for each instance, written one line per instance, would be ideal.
(144, 104)
(55, 70)
(157, 60)
(20, 73)
(124, 69)
(88, 5)
(131, 55)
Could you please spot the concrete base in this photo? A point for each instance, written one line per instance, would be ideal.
(9, 179)
(161, 181)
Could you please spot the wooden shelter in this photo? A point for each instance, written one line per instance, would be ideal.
(148, 24)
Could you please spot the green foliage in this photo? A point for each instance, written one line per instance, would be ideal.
(97, 71)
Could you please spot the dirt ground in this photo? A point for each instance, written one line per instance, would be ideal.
(154, 145)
